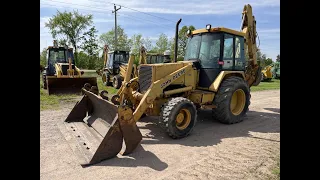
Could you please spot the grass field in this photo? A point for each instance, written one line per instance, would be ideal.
(53, 101)
(273, 84)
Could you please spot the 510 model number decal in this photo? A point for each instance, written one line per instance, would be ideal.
(176, 76)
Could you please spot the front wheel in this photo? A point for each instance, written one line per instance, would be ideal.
(232, 100)
(179, 116)
(106, 79)
(117, 81)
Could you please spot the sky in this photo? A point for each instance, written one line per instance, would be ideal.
(151, 18)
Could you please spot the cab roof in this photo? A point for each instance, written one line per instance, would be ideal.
(58, 47)
(218, 29)
(117, 51)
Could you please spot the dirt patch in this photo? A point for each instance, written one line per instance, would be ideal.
(246, 150)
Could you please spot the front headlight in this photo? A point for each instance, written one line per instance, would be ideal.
(188, 32)
(208, 27)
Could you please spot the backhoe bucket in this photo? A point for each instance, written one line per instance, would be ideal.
(68, 85)
(94, 131)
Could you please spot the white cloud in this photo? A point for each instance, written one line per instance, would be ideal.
(100, 20)
(74, 4)
(153, 38)
(269, 34)
(45, 36)
(275, 30)
(43, 20)
(275, 13)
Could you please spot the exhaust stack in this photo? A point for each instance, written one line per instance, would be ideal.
(176, 41)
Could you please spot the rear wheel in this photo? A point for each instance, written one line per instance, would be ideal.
(44, 80)
(179, 116)
(106, 80)
(232, 100)
(117, 81)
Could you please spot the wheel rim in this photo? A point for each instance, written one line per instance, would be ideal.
(183, 119)
(238, 102)
(115, 83)
(104, 79)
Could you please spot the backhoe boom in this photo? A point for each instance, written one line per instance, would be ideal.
(248, 26)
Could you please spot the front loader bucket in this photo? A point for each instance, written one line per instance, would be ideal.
(93, 130)
(68, 85)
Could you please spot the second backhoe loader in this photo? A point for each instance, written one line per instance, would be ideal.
(61, 75)
(115, 66)
(266, 73)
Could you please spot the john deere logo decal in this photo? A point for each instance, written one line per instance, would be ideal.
(176, 76)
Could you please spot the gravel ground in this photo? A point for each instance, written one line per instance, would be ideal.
(246, 150)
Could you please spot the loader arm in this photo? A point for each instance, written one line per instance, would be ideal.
(123, 70)
(143, 56)
(58, 70)
(78, 71)
(123, 91)
(156, 89)
(132, 66)
(105, 57)
(70, 70)
(248, 26)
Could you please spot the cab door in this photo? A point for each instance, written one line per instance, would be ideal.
(233, 53)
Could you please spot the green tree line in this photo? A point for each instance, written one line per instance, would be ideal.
(76, 30)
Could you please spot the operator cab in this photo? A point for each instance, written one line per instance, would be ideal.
(155, 58)
(115, 59)
(59, 55)
(214, 50)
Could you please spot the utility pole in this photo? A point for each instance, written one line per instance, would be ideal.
(115, 25)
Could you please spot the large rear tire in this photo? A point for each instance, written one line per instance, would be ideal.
(179, 116)
(232, 101)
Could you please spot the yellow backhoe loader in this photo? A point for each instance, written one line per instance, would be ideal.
(115, 66)
(61, 75)
(213, 75)
(266, 73)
